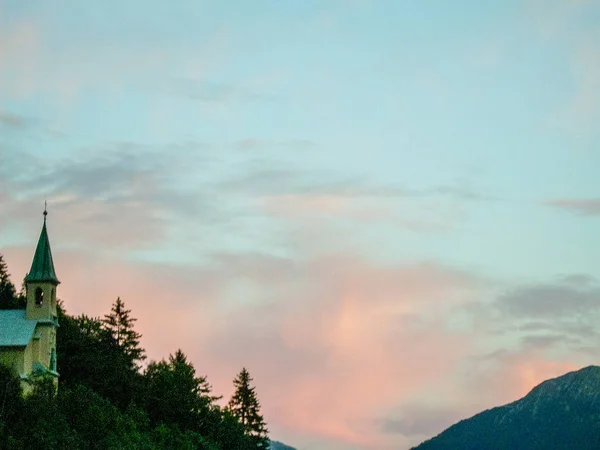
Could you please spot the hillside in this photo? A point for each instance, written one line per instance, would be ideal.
(560, 413)
(279, 446)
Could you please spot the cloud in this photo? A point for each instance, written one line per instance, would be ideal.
(557, 317)
(13, 121)
(421, 421)
(119, 196)
(30, 43)
(269, 177)
(335, 325)
(550, 300)
(512, 373)
(579, 279)
(479, 382)
(221, 93)
(584, 207)
(288, 193)
(261, 177)
(261, 144)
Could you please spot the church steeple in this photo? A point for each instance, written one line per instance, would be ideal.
(42, 267)
(41, 283)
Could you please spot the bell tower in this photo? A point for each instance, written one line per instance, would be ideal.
(41, 283)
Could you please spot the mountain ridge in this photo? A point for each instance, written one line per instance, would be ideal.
(559, 413)
(276, 445)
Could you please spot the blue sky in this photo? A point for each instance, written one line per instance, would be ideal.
(309, 158)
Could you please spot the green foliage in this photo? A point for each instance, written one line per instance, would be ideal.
(120, 324)
(170, 437)
(175, 395)
(8, 294)
(43, 387)
(88, 355)
(244, 406)
(232, 434)
(169, 404)
(11, 405)
(42, 425)
(98, 423)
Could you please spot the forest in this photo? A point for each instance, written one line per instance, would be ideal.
(109, 398)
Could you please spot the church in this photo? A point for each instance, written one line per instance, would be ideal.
(28, 336)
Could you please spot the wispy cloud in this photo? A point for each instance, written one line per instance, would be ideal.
(551, 300)
(420, 421)
(139, 185)
(261, 144)
(13, 121)
(581, 206)
(219, 93)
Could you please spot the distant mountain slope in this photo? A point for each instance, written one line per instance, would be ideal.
(279, 446)
(559, 414)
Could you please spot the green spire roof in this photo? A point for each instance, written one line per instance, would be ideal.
(42, 268)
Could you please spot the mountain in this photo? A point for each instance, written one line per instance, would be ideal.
(279, 446)
(561, 413)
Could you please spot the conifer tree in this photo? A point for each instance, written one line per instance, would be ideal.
(176, 395)
(8, 297)
(244, 405)
(119, 324)
(22, 294)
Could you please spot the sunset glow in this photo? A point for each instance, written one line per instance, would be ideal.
(388, 211)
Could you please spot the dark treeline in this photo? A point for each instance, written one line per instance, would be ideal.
(106, 400)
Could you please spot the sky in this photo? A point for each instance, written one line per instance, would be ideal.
(386, 210)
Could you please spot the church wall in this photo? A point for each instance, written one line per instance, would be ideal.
(28, 358)
(47, 309)
(35, 349)
(47, 339)
(13, 357)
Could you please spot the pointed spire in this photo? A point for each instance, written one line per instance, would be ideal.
(42, 267)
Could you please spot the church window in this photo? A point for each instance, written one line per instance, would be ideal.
(53, 300)
(53, 360)
(39, 297)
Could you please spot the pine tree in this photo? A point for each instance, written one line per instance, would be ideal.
(8, 293)
(120, 325)
(176, 395)
(22, 294)
(244, 405)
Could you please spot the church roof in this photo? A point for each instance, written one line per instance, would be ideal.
(42, 267)
(17, 331)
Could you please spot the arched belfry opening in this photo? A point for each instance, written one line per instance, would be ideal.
(39, 296)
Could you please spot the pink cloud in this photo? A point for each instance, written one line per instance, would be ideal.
(424, 215)
(507, 375)
(338, 351)
(301, 204)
